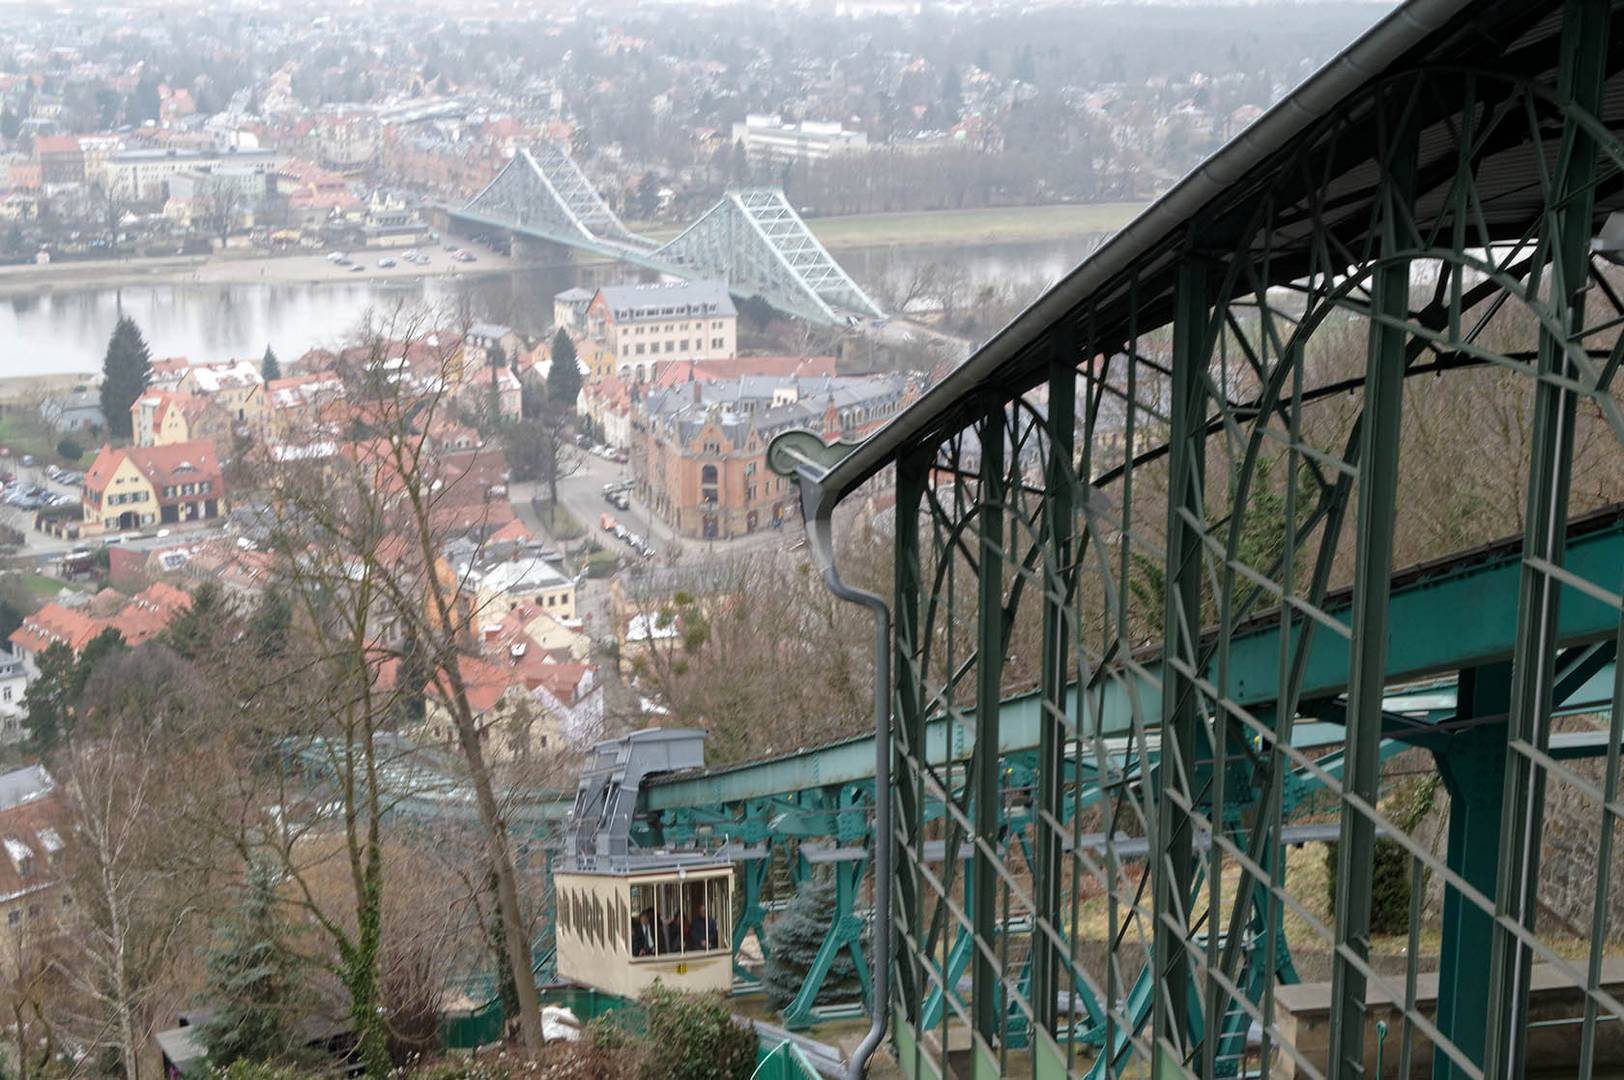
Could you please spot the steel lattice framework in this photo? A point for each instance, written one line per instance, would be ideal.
(753, 239)
(1170, 497)
(754, 236)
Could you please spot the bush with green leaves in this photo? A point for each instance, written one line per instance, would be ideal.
(694, 1037)
(1390, 870)
(69, 450)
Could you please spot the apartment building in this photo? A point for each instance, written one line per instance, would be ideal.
(645, 326)
(766, 138)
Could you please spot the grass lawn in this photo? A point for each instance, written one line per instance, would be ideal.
(22, 431)
(44, 586)
(984, 226)
(561, 523)
(1003, 224)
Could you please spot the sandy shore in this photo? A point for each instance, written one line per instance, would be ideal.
(235, 269)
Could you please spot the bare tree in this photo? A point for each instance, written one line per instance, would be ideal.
(219, 207)
(132, 900)
(367, 555)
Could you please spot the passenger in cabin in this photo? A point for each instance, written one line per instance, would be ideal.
(645, 934)
(702, 936)
(671, 937)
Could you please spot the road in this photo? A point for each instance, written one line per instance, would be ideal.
(582, 495)
(43, 548)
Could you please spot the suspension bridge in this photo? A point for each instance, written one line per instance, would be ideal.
(752, 239)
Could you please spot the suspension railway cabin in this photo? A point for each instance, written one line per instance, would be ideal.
(627, 917)
(620, 932)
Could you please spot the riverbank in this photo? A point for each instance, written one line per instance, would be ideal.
(945, 228)
(246, 268)
(32, 389)
(920, 229)
(999, 225)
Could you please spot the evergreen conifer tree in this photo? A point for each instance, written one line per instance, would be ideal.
(564, 377)
(270, 624)
(126, 371)
(793, 942)
(194, 631)
(250, 979)
(270, 368)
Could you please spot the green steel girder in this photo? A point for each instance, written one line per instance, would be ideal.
(1476, 144)
(1442, 619)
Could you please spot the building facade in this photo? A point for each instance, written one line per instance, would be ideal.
(702, 465)
(768, 139)
(645, 326)
(143, 175)
(132, 487)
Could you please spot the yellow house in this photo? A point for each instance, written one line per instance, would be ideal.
(165, 417)
(132, 487)
(235, 386)
(598, 357)
(512, 723)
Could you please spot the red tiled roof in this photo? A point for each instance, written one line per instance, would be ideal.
(682, 371)
(484, 681)
(139, 619)
(514, 532)
(163, 466)
(53, 624)
(33, 834)
(561, 680)
(56, 144)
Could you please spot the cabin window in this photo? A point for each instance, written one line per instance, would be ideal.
(674, 917)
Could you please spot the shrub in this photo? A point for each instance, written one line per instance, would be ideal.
(244, 1069)
(68, 450)
(408, 987)
(694, 1037)
(601, 564)
(1389, 886)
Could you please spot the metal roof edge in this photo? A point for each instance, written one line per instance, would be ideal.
(1364, 58)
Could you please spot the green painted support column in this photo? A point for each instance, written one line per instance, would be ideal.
(1172, 839)
(1568, 229)
(1045, 957)
(1373, 571)
(908, 741)
(1471, 765)
(985, 788)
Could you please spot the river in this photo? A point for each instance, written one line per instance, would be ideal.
(64, 330)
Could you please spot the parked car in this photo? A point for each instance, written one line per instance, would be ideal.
(385, 263)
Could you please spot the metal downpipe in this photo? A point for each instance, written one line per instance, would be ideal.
(817, 512)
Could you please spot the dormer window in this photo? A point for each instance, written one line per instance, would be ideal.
(21, 857)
